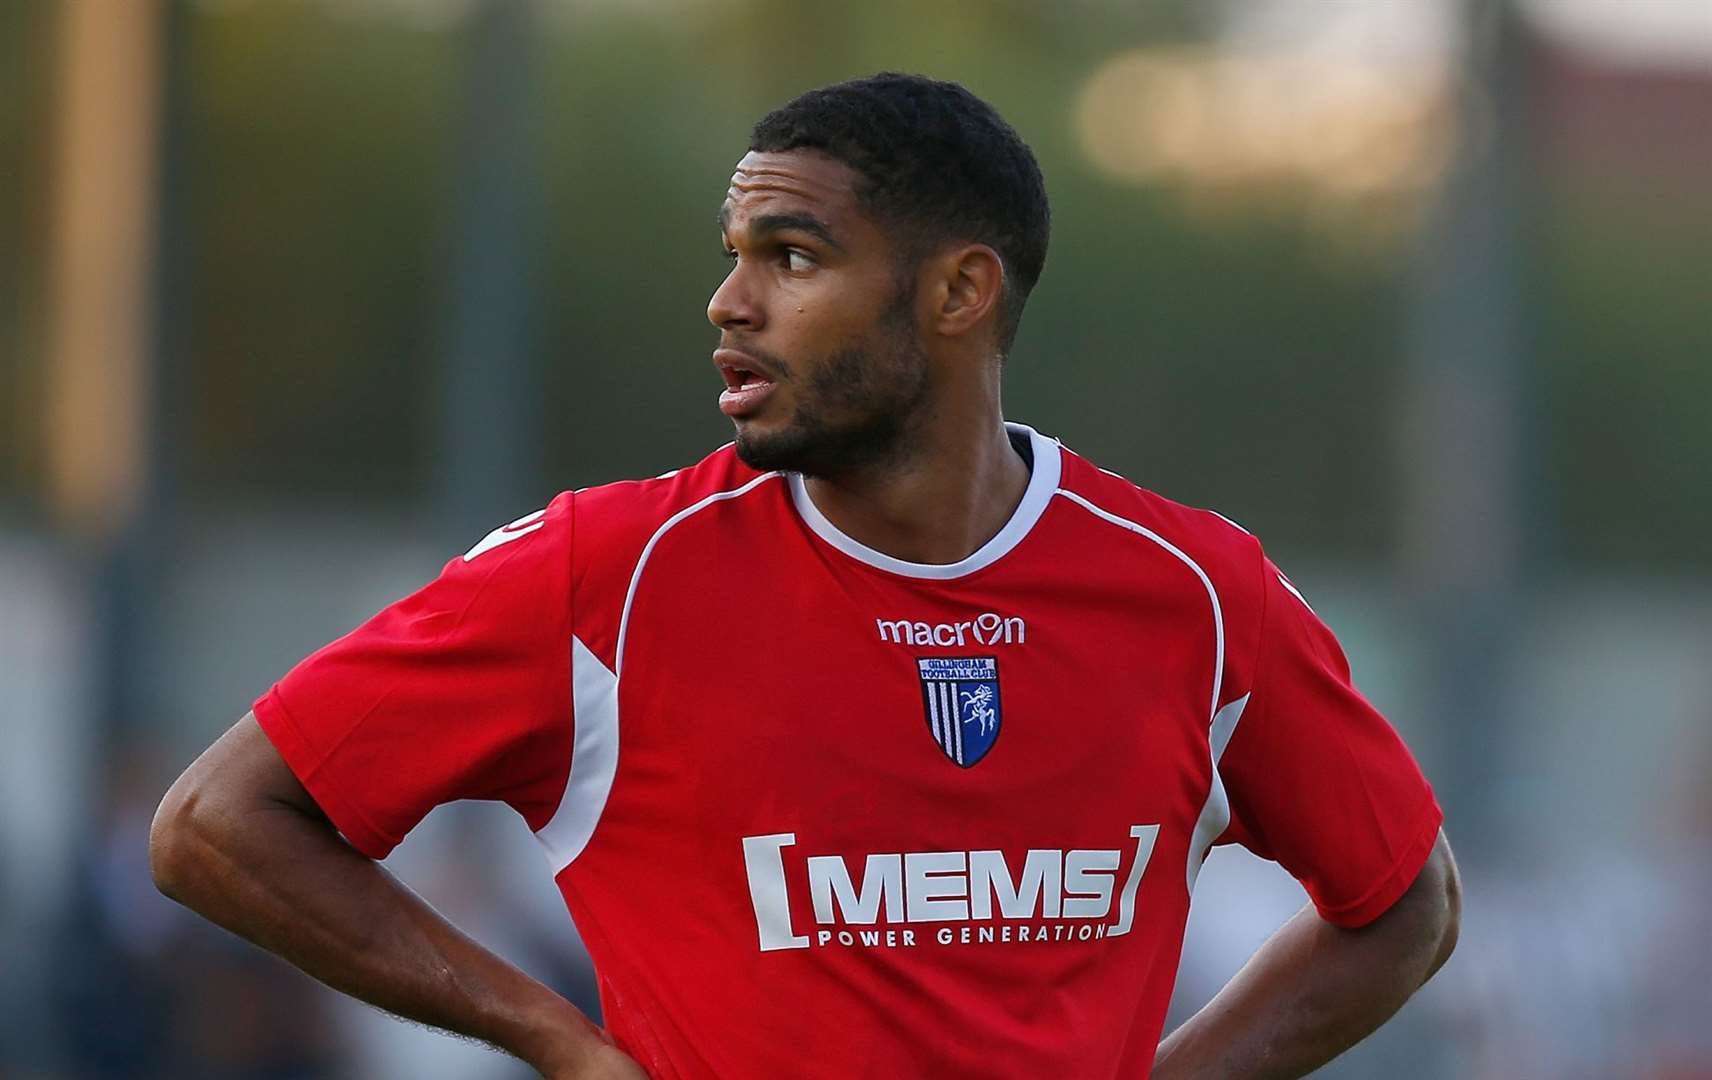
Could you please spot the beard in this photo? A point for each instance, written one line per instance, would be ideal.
(859, 407)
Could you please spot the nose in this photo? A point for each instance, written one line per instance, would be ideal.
(733, 305)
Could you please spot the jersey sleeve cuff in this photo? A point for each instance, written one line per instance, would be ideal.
(1396, 881)
(305, 762)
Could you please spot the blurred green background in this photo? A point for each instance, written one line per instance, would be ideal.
(1417, 291)
(319, 162)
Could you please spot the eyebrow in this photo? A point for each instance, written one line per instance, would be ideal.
(763, 224)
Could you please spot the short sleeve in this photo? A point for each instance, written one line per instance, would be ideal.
(1317, 779)
(459, 691)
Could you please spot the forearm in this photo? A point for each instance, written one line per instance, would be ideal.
(1314, 989)
(1304, 998)
(282, 878)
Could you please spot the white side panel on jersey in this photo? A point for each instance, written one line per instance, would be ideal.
(594, 759)
(648, 549)
(1215, 812)
(594, 695)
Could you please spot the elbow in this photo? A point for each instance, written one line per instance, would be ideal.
(1447, 890)
(166, 843)
(207, 828)
(173, 839)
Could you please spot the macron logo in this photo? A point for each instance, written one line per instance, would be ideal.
(988, 628)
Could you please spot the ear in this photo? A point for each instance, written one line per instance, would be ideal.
(967, 286)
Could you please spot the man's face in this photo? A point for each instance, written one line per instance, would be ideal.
(818, 346)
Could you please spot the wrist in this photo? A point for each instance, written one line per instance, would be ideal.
(556, 1039)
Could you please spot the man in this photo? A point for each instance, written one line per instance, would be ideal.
(887, 741)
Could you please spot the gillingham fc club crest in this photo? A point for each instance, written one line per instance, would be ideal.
(961, 696)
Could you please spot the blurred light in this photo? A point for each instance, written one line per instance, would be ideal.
(1241, 124)
(1648, 33)
(103, 237)
(1348, 105)
(447, 14)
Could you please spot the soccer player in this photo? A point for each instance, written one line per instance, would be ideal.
(884, 742)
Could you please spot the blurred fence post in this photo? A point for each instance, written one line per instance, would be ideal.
(112, 281)
(491, 411)
(1467, 513)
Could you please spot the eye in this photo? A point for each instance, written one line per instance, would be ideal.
(798, 261)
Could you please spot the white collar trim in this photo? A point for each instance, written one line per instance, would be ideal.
(1042, 482)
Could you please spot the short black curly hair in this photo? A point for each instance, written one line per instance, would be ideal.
(937, 164)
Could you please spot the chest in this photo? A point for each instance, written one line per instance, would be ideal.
(873, 711)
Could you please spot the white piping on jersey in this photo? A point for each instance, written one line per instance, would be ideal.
(1215, 812)
(594, 759)
(1042, 482)
(1231, 523)
(1212, 594)
(648, 549)
(1297, 593)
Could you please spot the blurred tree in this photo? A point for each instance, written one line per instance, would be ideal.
(319, 153)
(1627, 338)
(26, 52)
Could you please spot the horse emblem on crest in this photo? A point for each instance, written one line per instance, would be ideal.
(977, 707)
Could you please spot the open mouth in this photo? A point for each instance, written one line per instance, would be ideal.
(737, 378)
(746, 386)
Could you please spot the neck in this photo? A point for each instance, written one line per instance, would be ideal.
(937, 505)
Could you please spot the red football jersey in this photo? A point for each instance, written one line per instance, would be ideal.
(820, 812)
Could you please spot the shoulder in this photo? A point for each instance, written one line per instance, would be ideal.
(618, 524)
(1227, 555)
(615, 521)
(602, 527)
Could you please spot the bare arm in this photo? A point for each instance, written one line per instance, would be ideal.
(238, 840)
(1314, 989)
